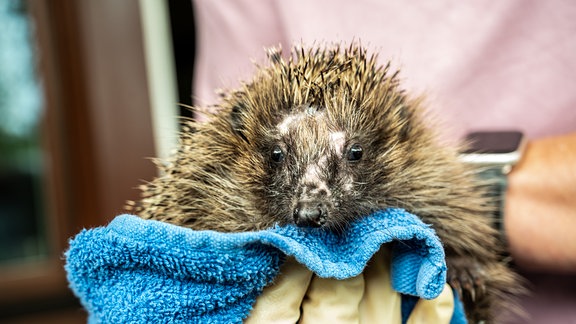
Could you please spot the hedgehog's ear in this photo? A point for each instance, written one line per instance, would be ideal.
(237, 121)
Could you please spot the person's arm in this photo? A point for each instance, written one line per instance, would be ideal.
(540, 211)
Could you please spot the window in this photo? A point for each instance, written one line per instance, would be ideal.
(82, 145)
(22, 234)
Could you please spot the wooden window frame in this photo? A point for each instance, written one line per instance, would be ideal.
(97, 130)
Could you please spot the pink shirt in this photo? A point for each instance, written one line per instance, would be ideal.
(480, 64)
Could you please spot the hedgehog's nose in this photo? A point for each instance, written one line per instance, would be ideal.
(310, 213)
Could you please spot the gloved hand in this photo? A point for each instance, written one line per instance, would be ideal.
(297, 295)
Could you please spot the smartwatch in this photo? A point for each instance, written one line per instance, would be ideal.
(494, 153)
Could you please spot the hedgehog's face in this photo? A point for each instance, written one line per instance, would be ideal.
(315, 170)
(325, 138)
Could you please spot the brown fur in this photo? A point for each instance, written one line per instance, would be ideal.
(222, 177)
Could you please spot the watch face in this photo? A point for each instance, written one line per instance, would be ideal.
(493, 142)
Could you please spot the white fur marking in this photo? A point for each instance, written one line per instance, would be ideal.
(284, 126)
(338, 139)
(312, 175)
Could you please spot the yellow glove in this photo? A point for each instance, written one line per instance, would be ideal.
(297, 295)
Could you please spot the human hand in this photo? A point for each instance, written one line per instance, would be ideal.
(297, 295)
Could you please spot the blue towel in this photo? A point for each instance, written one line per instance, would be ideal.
(145, 271)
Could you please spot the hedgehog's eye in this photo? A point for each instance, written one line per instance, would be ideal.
(277, 155)
(355, 153)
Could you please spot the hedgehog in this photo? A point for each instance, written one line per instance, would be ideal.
(320, 137)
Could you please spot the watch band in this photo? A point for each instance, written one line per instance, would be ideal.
(497, 184)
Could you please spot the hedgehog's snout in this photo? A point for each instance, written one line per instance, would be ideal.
(310, 213)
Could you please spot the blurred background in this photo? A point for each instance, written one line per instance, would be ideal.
(89, 91)
(81, 86)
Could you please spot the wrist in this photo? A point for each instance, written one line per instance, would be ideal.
(540, 213)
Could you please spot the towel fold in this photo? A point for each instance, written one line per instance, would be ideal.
(145, 271)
